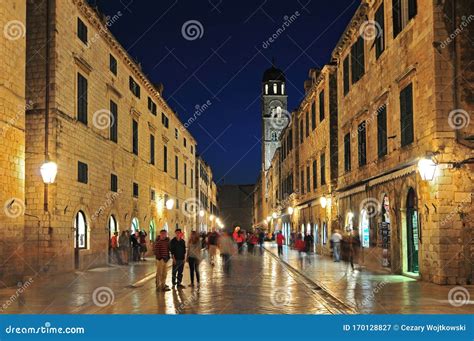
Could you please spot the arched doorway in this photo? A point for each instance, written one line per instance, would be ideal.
(364, 228)
(152, 231)
(80, 236)
(135, 227)
(412, 232)
(113, 228)
(385, 231)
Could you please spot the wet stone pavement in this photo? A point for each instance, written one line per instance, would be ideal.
(257, 284)
(378, 293)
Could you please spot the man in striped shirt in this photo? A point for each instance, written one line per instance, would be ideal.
(161, 248)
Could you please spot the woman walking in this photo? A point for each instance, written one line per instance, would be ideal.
(194, 256)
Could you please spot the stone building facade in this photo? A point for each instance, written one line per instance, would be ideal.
(124, 159)
(12, 139)
(206, 192)
(402, 76)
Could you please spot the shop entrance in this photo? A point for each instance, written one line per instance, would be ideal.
(412, 232)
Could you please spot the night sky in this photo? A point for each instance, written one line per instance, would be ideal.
(225, 65)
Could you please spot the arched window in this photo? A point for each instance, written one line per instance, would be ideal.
(275, 88)
(80, 231)
(135, 225)
(152, 230)
(266, 89)
(283, 88)
(113, 227)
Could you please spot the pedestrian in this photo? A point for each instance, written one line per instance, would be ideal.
(161, 249)
(261, 240)
(178, 252)
(280, 239)
(142, 239)
(336, 245)
(252, 242)
(114, 249)
(354, 244)
(124, 247)
(308, 241)
(135, 247)
(226, 248)
(300, 246)
(240, 241)
(194, 256)
(212, 246)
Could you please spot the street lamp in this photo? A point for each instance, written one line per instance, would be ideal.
(211, 217)
(274, 215)
(427, 169)
(201, 213)
(290, 210)
(48, 172)
(169, 204)
(323, 201)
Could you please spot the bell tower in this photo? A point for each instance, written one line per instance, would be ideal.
(275, 116)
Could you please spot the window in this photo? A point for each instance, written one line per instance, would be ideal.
(307, 123)
(308, 179)
(357, 60)
(152, 194)
(165, 120)
(406, 115)
(275, 88)
(301, 131)
(113, 131)
(380, 38)
(185, 142)
(134, 87)
(192, 178)
(113, 183)
(80, 231)
(283, 88)
(266, 89)
(362, 144)
(176, 167)
(321, 106)
(152, 149)
(82, 172)
(313, 115)
(322, 164)
(176, 133)
(82, 31)
(135, 137)
(315, 175)
(347, 152)
(382, 131)
(135, 190)
(302, 181)
(151, 106)
(165, 159)
(346, 75)
(81, 99)
(185, 173)
(403, 11)
(192, 150)
(113, 64)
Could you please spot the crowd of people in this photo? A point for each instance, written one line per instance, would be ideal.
(128, 247)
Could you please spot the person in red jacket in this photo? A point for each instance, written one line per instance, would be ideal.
(300, 245)
(280, 241)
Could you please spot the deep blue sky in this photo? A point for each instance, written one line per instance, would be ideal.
(226, 64)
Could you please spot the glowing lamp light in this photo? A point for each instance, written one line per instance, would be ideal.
(169, 204)
(350, 215)
(323, 201)
(269, 218)
(274, 215)
(201, 213)
(290, 210)
(48, 172)
(211, 217)
(427, 169)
